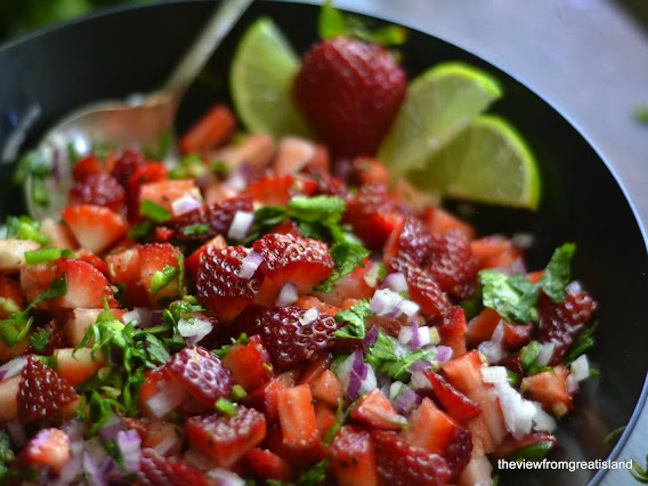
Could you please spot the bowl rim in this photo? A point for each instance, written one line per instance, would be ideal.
(383, 16)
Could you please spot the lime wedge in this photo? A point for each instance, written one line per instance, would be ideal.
(261, 80)
(439, 104)
(487, 162)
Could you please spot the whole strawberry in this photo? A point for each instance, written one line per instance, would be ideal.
(350, 92)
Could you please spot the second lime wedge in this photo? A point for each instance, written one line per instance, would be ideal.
(261, 80)
(440, 103)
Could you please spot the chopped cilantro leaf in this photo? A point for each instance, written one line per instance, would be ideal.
(39, 340)
(557, 274)
(25, 228)
(347, 257)
(341, 416)
(157, 352)
(613, 436)
(583, 343)
(512, 296)
(318, 209)
(399, 370)
(154, 212)
(355, 316)
(163, 277)
(381, 351)
(225, 406)
(141, 231)
(529, 353)
(33, 163)
(195, 230)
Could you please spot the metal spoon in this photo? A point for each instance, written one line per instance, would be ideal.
(140, 119)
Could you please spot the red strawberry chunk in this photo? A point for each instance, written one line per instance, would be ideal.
(268, 465)
(266, 398)
(298, 420)
(464, 372)
(165, 193)
(561, 323)
(376, 411)
(350, 92)
(150, 172)
(458, 452)
(87, 287)
(11, 291)
(416, 241)
(328, 388)
(156, 470)
(372, 214)
(126, 165)
(353, 459)
(456, 404)
(202, 374)
(495, 252)
(226, 439)
(92, 259)
(550, 389)
(218, 285)
(86, 167)
(50, 447)
(402, 464)
(154, 258)
(96, 228)
(100, 190)
(440, 221)
(422, 288)
(42, 393)
(367, 170)
(453, 265)
(302, 261)
(290, 342)
(250, 364)
(217, 217)
(277, 190)
(429, 428)
(124, 269)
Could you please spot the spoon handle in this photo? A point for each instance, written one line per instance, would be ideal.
(218, 26)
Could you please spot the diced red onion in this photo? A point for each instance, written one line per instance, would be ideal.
(241, 225)
(194, 329)
(70, 471)
(572, 384)
(580, 368)
(421, 366)
(405, 334)
(516, 266)
(156, 318)
(111, 428)
(518, 412)
(403, 397)
(12, 368)
(492, 350)
(92, 473)
(250, 264)
(542, 420)
(166, 400)
(236, 182)
(416, 339)
(444, 354)
(287, 295)
(199, 460)
(17, 433)
(356, 376)
(129, 443)
(358, 373)
(223, 477)
(143, 316)
(545, 353)
(310, 316)
(523, 240)
(165, 446)
(385, 301)
(494, 374)
(371, 337)
(419, 381)
(73, 428)
(408, 307)
(575, 286)
(185, 204)
(395, 282)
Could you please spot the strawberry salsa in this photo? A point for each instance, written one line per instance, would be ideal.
(277, 311)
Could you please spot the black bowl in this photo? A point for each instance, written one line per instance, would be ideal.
(133, 49)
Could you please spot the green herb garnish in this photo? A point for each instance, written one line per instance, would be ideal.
(44, 255)
(154, 212)
(355, 316)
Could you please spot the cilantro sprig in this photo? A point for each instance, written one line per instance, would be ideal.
(25, 228)
(355, 317)
(384, 358)
(347, 257)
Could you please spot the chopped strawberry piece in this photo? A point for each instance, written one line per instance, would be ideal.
(415, 241)
(453, 323)
(155, 381)
(9, 389)
(372, 214)
(42, 393)
(328, 388)
(325, 418)
(226, 439)
(94, 260)
(293, 154)
(464, 372)
(87, 287)
(126, 165)
(456, 404)
(481, 328)
(268, 465)
(359, 284)
(313, 370)
(516, 335)
(422, 288)
(150, 172)
(164, 436)
(266, 398)
(202, 374)
(218, 284)
(156, 470)
(453, 265)
(429, 428)
(217, 217)
(495, 252)
(376, 411)
(550, 389)
(458, 452)
(439, 221)
(561, 323)
(76, 366)
(86, 167)
(367, 170)
(99, 190)
(350, 92)
(308, 302)
(49, 447)
(250, 364)
(165, 193)
(298, 421)
(511, 444)
(304, 262)
(124, 269)
(210, 131)
(353, 460)
(287, 227)
(491, 412)
(402, 464)
(289, 341)
(96, 228)
(154, 258)
(279, 189)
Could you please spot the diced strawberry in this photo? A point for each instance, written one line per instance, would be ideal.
(304, 262)
(353, 285)
(76, 366)
(453, 323)
(154, 258)
(293, 154)
(464, 372)
(163, 234)
(165, 437)
(455, 403)
(287, 227)
(353, 460)
(226, 439)
(511, 444)
(266, 398)
(439, 221)
(126, 165)
(94, 260)
(210, 131)
(309, 301)
(77, 324)
(192, 262)
(367, 170)
(202, 374)
(11, 297)
(49, 448)
(421, 286)
(297, 419)
(150, 172)
(376, 411)
(86, 167)
(311, 371)
(268, 465)
(325, 418)
(250, 364)
(372, 214)
(96, 228)
(491, 411)
(218, 284)
(256, 151)
(415, 241)
(458, 452)
(328, 388)
(9, 390)
(156, 470)
(350, 92)
(217, 217)
(482, 440)
(42, 393)
(495, 252)
(429, 428)
(290, 342)
(155, 381)
(456, 343)
(402, 464)
(550, 389)
(165, 193)
(87, 287)
(58, 234)
(481, 327)
(453, 265)
(277, 190)
(124, 269)
(534, 277)
(516, 335)
(98, 190)
(131, 423)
